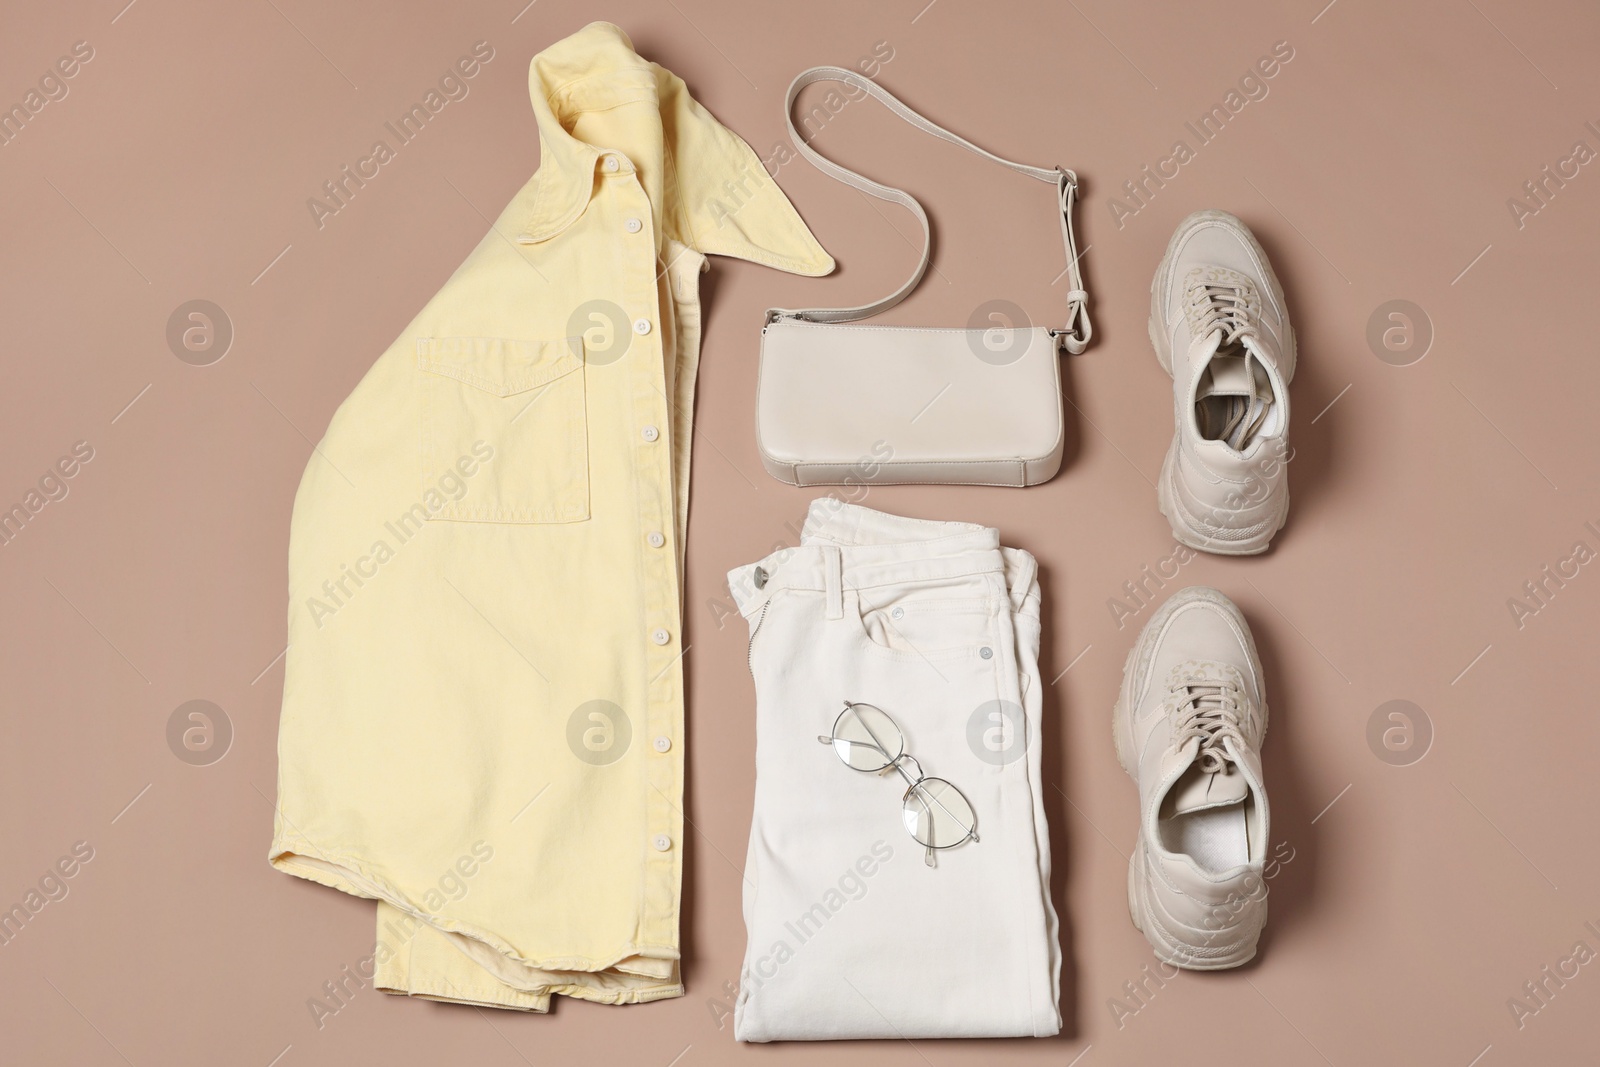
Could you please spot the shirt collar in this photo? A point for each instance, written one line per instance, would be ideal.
(709, 190)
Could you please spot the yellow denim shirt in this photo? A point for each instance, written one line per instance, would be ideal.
(482, 719)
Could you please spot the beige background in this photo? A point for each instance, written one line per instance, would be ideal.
(1419, 898)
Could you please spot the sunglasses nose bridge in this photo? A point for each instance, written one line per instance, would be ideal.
(912, 780)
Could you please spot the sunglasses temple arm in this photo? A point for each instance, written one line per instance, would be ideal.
(824, 739)
(972, 831)
(867, 727)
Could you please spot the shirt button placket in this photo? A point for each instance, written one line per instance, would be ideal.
(654, 465)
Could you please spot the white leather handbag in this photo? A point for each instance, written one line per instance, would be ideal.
(844, 402)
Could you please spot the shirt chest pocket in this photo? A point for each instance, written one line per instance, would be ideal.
(521, 403)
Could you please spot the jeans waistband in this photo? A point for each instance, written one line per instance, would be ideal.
(860, 548)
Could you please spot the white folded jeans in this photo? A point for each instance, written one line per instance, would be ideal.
(851, 933)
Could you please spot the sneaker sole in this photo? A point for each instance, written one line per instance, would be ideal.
(1170, 952)
(1186, 533)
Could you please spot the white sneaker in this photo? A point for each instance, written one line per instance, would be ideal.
(1220, 328)
(1188, 726)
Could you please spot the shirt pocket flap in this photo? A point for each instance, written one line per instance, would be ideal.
(499, 365)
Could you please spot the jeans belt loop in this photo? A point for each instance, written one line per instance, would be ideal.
(833, 583)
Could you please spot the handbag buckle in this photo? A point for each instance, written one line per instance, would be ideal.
(1075, 338)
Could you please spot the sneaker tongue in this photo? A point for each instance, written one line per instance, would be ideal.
(1243, 392)
(1198, 790)
(1229, 374)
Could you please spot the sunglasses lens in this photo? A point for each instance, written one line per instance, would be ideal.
(866, 738)
(937, 814)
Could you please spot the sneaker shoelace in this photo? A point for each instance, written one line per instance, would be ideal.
(1221, 306)
(1207, 708)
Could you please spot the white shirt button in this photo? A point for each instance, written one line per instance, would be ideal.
(663, 743)
(660, 637)
(898, 613)
(662, 842)
(633, 225)
(641, 326)
(612, 165)
(656, 539)
(650, 433)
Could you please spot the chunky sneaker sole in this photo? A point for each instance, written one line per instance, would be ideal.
(1189, 530)
(1174, 953)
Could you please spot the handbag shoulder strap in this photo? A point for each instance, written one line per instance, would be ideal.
(1075, 337)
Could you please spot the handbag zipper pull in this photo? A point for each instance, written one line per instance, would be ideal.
(782, 315)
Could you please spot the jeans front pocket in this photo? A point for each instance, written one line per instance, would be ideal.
(936, 621)
(523, 399)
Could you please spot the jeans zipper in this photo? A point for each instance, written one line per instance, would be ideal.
(750, 649)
